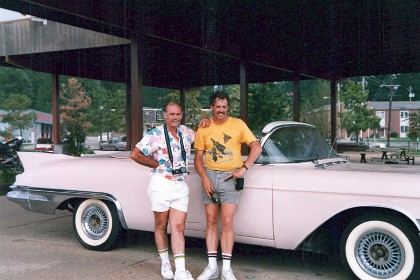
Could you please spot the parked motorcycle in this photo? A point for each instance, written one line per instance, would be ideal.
(9, 159)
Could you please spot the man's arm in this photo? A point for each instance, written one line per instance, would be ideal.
(199, 167)
(142, 159)
(254, 153)
(252, 157)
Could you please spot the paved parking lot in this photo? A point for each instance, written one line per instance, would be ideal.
(36, 246)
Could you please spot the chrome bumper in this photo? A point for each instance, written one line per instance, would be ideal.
(48, 200)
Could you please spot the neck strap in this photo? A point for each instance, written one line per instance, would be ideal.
(168, 146)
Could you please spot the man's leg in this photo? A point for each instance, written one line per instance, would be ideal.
(161, 225)
(212, 235)
(161, 239)
(212, 242)
(177, 221)
(227, 239)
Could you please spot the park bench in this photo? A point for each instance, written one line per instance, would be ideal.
(404, 157)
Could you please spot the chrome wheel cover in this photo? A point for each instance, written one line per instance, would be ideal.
(95, 222)
(380, 254)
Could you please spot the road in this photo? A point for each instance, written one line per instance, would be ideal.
(37, 246)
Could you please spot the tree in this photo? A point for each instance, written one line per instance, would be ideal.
(315, 109)
(107, 110)
(357, 116)
(16, 104)
(268, 102)
(414, 129)
(74, 103)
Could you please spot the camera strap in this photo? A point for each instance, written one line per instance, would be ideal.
(168, 146)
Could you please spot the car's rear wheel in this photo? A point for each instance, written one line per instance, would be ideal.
(381, 247)
(96, 224)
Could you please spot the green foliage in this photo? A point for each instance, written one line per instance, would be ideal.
(7, 178)
(36, 86)
(74, 103)
(414, 129)
(357, 116)
(315, 107)
(16, 104)
(379, 93)
(268, 102)
(5, 134)
(107, 110)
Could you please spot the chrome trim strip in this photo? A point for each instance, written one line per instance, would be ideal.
(47, 200)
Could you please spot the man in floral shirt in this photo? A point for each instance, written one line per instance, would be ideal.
(168, 156)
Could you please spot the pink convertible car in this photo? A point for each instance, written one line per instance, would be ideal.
(299, 195)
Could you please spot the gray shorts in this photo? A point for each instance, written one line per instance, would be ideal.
(225, 189)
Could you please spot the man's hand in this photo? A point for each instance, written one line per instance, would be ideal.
(205, 122)
(237, 174)
(208, 186)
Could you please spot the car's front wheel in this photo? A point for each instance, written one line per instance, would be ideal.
(381, 247)
(96, 224)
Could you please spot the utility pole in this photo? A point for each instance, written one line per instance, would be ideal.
(411, 94)
(392, 89)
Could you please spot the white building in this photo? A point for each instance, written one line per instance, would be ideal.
(42, 127)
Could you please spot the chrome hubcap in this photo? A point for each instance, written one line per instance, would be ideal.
(380, 254)
(95, 222)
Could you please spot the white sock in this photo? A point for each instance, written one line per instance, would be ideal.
(226, 261)
(179, 262)
(212, 256)
(164, 255)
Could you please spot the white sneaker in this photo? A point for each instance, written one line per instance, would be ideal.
(183, 275)
(209, 273)
(228, 275)
(166, 271)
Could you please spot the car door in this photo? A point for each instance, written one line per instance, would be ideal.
(254, 214)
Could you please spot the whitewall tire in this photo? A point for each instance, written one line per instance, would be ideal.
(381, 247)
(96, 224)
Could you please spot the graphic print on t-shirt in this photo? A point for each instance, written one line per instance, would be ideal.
(219, 151)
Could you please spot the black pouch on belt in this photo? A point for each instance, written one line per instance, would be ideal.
(239, 184)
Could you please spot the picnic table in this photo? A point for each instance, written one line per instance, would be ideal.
(383, 152)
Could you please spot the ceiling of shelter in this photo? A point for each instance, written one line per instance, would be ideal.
(195, 43)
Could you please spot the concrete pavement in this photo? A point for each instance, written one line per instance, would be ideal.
(37, 246)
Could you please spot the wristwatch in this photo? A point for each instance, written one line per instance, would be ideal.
(244, 166)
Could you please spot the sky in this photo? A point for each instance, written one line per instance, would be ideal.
(6, 15)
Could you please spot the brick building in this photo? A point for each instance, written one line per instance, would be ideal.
(400, 117)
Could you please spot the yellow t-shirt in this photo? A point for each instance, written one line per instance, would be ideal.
(222, 143)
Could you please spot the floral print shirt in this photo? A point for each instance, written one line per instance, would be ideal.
(154, 145)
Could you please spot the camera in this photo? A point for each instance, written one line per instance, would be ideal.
(215, 197)
(179, 171)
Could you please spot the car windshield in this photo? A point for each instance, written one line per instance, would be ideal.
(294, 144)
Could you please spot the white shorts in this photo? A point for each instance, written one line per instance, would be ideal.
(165, 194)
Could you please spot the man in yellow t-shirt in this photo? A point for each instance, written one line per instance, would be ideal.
(221, 143)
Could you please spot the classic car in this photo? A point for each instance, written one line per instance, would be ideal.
(299, 195)
(116, 143)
